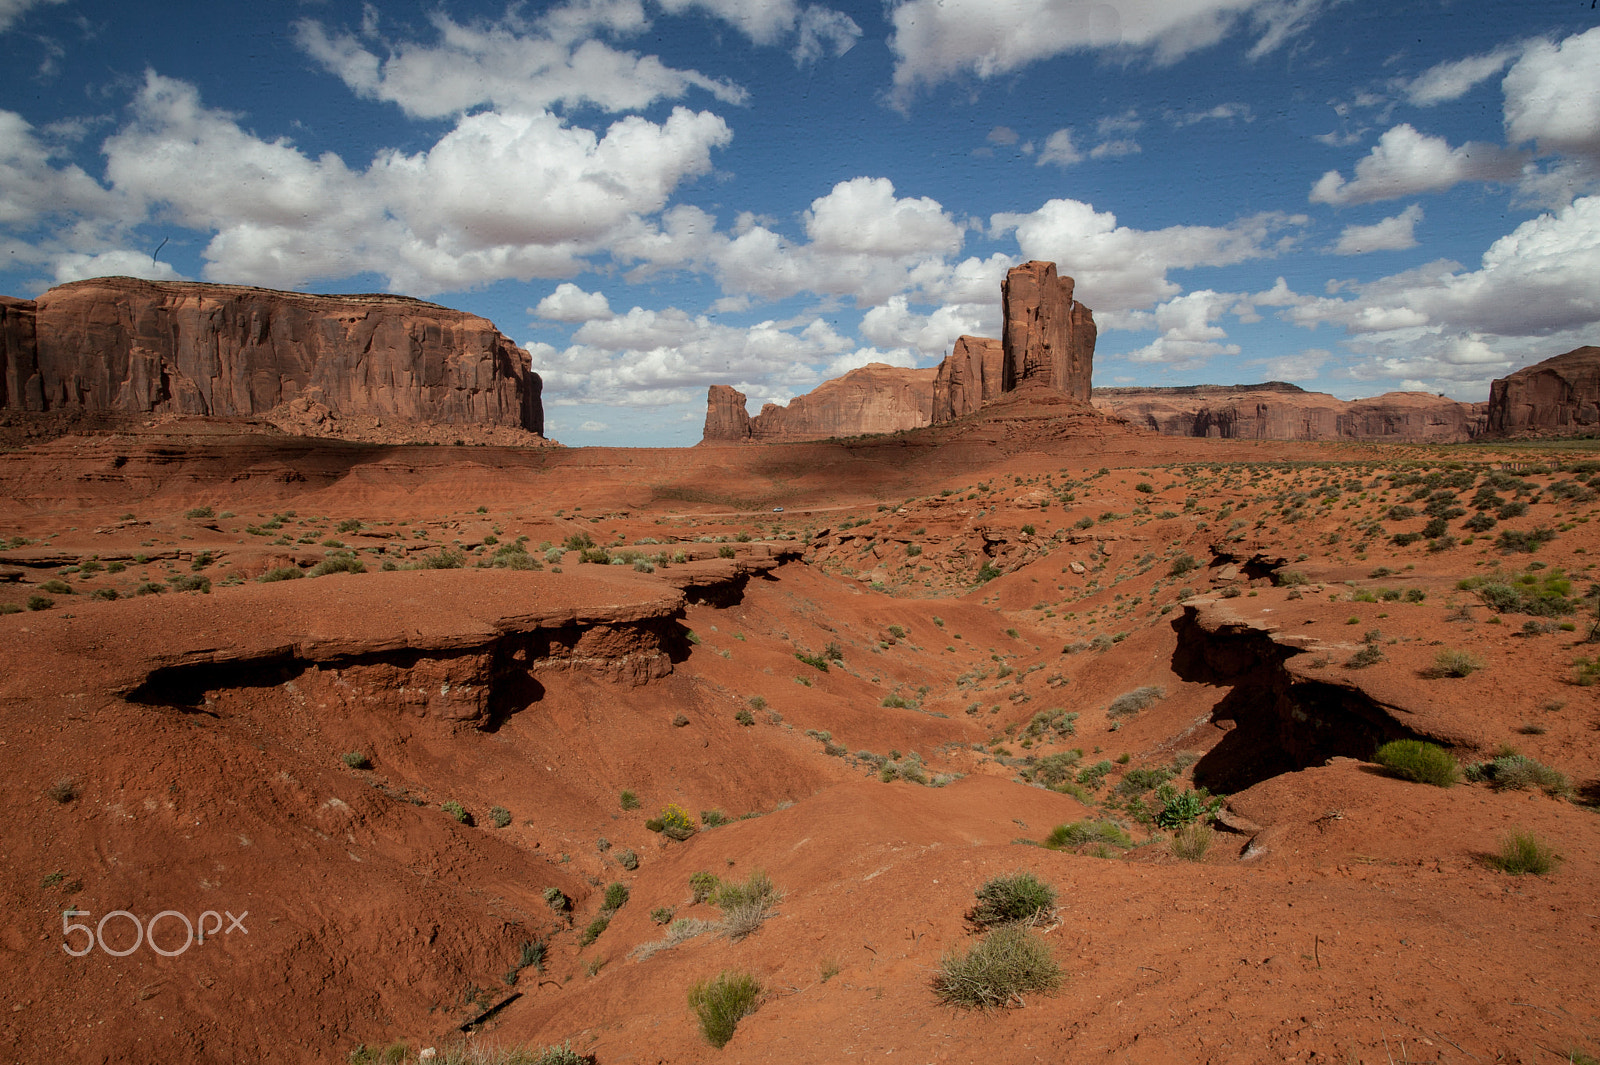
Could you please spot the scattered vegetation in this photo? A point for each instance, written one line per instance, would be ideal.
(1129, 703)
(357, 760)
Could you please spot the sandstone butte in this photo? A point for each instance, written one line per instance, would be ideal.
(1048, 344)
(1276, 410)
(1560, 394)
(323, 365)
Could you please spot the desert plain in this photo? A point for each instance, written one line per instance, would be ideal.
(418, 712)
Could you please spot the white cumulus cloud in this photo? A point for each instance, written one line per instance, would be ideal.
(1553, 96)
(1059, 149)
(1392, 234)
(1118, 268)
(569, 303)
(935, 40)
(1452, 80)
(506, 65)
(500, 195)
(1405, 162)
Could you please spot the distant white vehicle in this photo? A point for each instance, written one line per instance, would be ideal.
(777, 510)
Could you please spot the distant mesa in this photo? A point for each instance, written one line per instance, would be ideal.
(1559, 395)
(1048, 344)
(359, 366)
(1275, 410)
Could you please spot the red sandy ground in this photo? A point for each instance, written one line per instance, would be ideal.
(1362, 924)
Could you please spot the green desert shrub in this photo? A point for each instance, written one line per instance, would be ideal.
(357, 760)
(1077, 833)
(629, 799)
(280, 573)
(997, 970)
(56, 587)
(592, 932)
(628, 859)
(703, 884)
(616, 897)
(499, 816)
(40, 602)
(1452, 663)
(338, 562)
(457, 811)
(1192, 841)
(1016, 896)
(1522, 852)
(444, 558)
(722, 1002)
(1420, 761)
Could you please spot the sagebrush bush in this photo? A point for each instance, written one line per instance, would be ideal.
(722, 1002)
(1077, 833)
(1417, 760)
(457, 811)
(703, 884)
(357, 760)
(500, 816)
(1516, 772)
(616, 897)
(745, 906)
(997, 970)
(1522, 852)
(1017, 896)
(1129, 703)
(1452, 663)
(1192, 841)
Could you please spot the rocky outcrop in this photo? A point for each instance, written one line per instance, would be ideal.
(1048, 336)
(727, 419)
(873, 399)
(1048, 344)
(1560, 394)
(968, 377)
(1275, 410)
(123, 345)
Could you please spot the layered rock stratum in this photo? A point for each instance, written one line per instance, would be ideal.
(1560, 394)
(1276, 410)
(125, 346)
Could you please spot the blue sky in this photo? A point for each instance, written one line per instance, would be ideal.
(656, 195)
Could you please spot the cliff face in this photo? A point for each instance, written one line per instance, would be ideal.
(1278, 411)
(1048, 336)
(1558, 394)
(131, 346)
